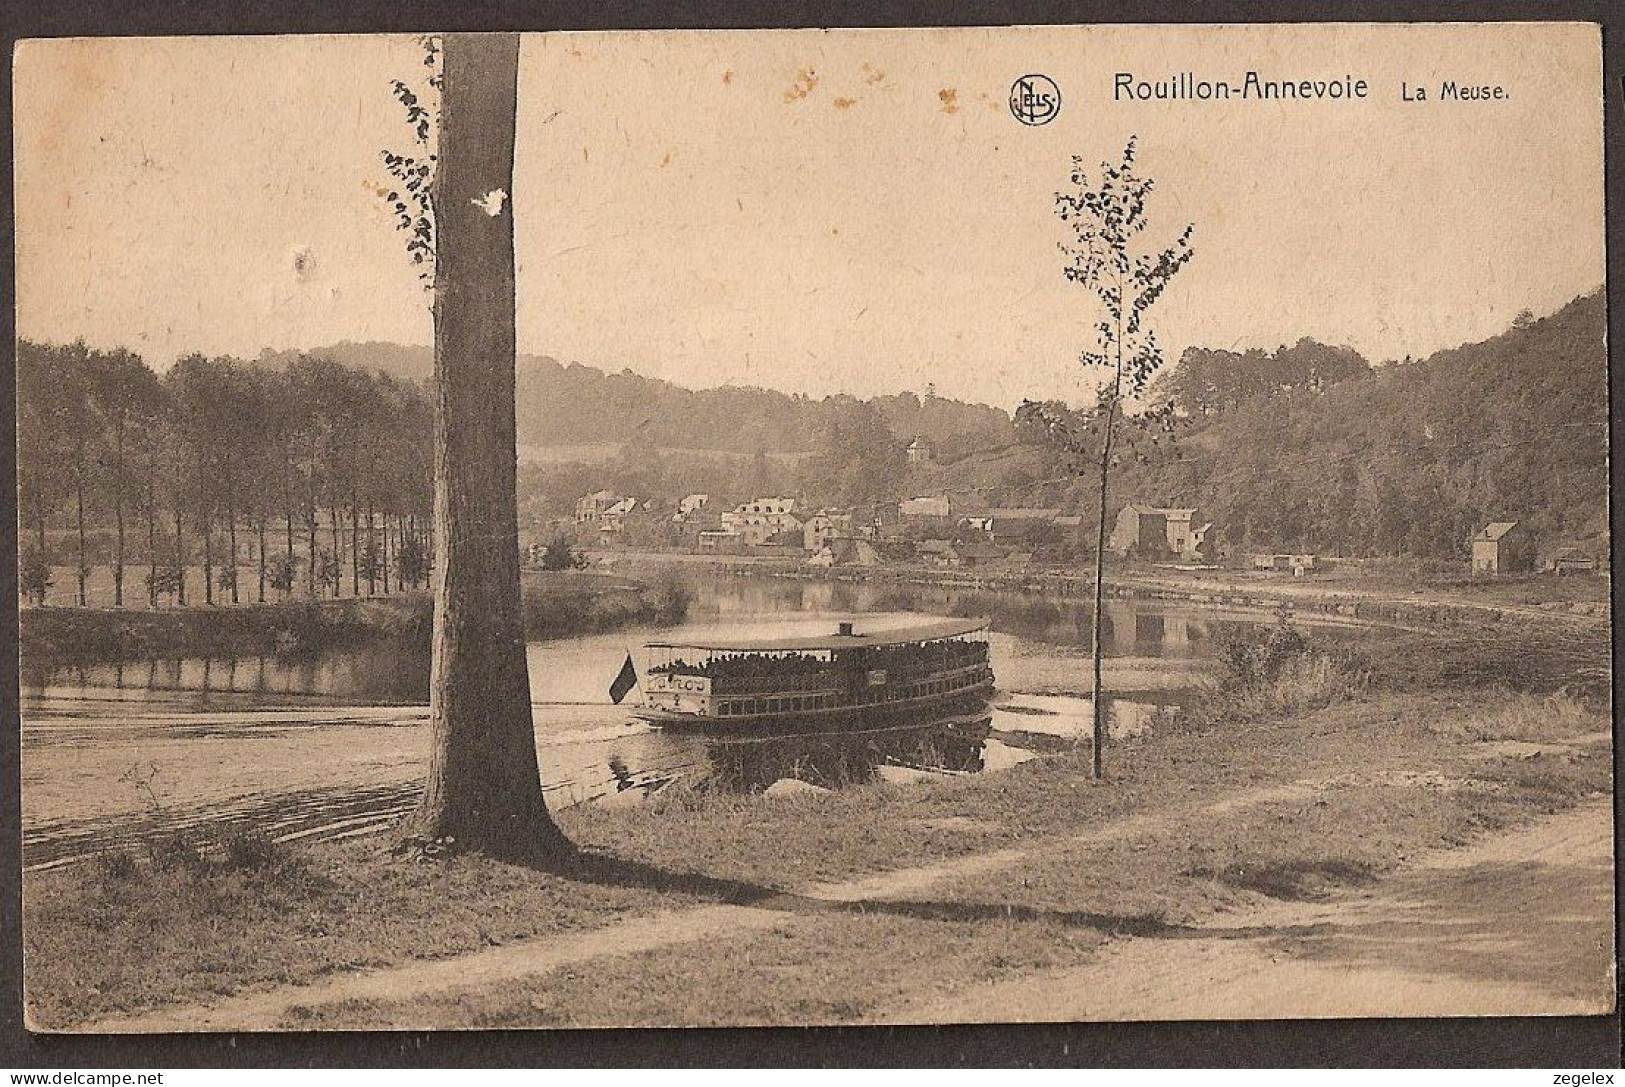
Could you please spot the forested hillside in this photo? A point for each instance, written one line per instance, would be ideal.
(1406, 459)
(1304, 448)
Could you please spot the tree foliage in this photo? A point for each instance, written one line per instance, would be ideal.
(1209, 381)
(228, 450)
(1387, 461)
(1106, 257)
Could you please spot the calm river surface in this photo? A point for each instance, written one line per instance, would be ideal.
(336, 744)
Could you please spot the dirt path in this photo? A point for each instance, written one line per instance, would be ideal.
(1519, 924)
(266, 1009)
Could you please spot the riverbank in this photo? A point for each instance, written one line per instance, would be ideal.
(1348, 593)
(951, 885)
(555, 605)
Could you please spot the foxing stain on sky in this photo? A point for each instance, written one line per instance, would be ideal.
(814, 211)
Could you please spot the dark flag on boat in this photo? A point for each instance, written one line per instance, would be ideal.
(624, 682)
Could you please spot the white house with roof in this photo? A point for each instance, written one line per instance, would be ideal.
(759, 520)
(614, 518)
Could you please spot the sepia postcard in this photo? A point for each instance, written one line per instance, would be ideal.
(805, 527)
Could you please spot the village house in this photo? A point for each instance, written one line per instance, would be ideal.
(1296, 565)
(851, 551)
(1158, 532)
(695, 515)
(936, 553)
(920, 451)
(972, 553)
(1027, 524)
(590, 508)
(761, 519)
(816, 531)
(613, 519)
(1571, 560)
(959, 554)
(878, 552)
(723, 540)
(1503, 547)
(823, 526)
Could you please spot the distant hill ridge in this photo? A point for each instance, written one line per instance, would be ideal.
(1306, 447)
(572, 404)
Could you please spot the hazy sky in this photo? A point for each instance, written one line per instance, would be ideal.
(816, 211)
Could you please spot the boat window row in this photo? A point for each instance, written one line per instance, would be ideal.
(931, 687)
(903, 690)
(738, 707)
(737, 685)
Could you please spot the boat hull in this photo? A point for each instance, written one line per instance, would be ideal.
(835, 718)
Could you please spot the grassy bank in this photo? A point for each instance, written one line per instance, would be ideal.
(1187, 824)
(52, 636)
(566, 603)
(555, 605)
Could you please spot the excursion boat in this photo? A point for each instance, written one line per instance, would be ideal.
(846, 679)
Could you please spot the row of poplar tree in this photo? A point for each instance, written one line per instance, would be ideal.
(274, 481)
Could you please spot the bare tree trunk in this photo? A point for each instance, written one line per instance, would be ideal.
(484, 787)
(310, 549)
(338, 555)
(287, 515)
(355, 549)
(287, 525)
(152, 537)
(231, 522)
(208, 557)
(261, 528)
(118, 513)
(180, 554)
(45, 559)
(79, 496)
(386, 552)
(1097, 650)
(372, 543)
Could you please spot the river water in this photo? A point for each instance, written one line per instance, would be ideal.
(335, 744)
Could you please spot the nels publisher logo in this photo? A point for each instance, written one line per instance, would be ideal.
(1035, 99)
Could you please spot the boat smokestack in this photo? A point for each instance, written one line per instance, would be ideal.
(844, 629)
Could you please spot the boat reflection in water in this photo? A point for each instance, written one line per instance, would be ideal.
(730, 762)
(837, 759)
